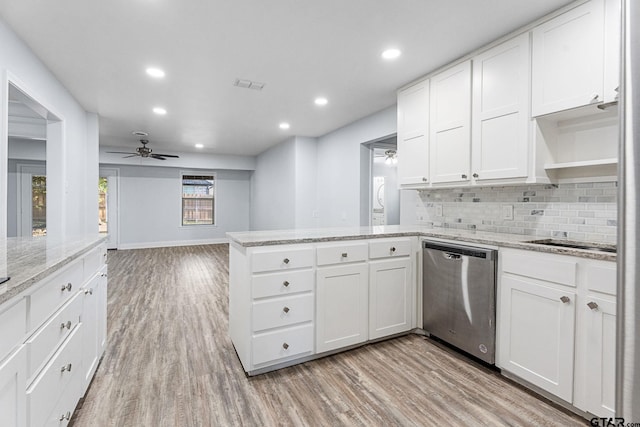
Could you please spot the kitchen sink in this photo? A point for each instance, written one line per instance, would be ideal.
(599, 247)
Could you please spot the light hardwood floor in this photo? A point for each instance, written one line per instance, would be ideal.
(170, 362)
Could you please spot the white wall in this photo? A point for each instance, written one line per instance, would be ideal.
(339, 167)
(150, 207)
(306, 182)
(74, 206)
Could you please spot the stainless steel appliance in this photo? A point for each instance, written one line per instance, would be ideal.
(459, 299)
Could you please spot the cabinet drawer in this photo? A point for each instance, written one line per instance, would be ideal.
(284, 259)
(273, 346)
(94, 261)
(13, 326)
(385, 248)
(53, 380)
(601, 277)
(54, 292)
(550, 268)
(279, 284)
(65, 407)
(342, 253)
(274, 313)
(52, 333)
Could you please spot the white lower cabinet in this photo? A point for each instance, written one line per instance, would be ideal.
(13, 371)
(557, 326)
(94, 323)
(390, 297)
(341, 306)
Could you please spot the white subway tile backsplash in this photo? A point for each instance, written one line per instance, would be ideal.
(583, 211)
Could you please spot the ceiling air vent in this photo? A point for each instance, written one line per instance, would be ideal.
(248, 84)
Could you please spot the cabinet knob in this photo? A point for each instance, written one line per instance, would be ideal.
(66, 368)
(393, 249)
(285, 309)
(286, 260)
(104, 275)
(424, 179)
(464, 176)
(285, 283)
(88, 291)
(66, 416)
(285, 346)
(66, 325)
(592, 305)
(344, 254)
(565, 299)
(475, 175)
(66, 287)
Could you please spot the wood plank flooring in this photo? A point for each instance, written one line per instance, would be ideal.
(170, 362)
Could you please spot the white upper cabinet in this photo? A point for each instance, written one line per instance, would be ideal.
(568, 60)
(500, 119)
(450, 133)
(413, 134)
(612, 28)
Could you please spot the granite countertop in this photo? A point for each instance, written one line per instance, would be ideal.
(29, 260)
(517, 241)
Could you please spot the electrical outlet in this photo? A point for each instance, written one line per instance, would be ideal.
(507, 212)
(438, 210)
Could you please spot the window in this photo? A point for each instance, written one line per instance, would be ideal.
(198, 199)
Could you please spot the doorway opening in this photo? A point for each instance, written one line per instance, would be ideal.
(379, 181)
(108, 206)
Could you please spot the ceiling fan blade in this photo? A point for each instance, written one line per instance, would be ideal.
(157, 156)
(132, 155)
(120, 152)
(166, 155)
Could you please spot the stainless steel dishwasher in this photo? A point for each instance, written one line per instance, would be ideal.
(459, 296)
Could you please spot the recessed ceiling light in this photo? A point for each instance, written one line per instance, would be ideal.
(391, 53)
(284, 125)
(199, 145)
(155, 72)
(160, 111)
(321, 101)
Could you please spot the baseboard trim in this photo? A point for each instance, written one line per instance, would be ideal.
(166, 244)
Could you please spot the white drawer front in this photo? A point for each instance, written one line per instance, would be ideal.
(277, 284)
(55, 291)
(53, 381)
(342, 253)
(274, 313)
(387, 248)
(273, 346)
(53, 332)
(13, 327)
(63, 411)
(285, 259)
(94, 261)
(601, 277)
(551, 268)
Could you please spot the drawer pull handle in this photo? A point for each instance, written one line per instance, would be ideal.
(424, 179)
(66, 368)
(285, 283)
(66, 325)
(594, 97)
(464, 176)
(393, 249)
(88, 291)
(66, 287)
(285, 309)
(475, 175)
(66, 416)
(344, 254)
(285, 346)
(286, 260)
(565, 299)
(592, 305)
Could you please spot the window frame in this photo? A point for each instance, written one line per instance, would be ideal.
(202, 173)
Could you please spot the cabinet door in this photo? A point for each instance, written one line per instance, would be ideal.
(450, 136)
(101, 321)
(391, 297)
(13, 396)
(600, 327)
(500, 129)
(413, 135)
(612, 26)
(89, 321)
(341, 306)
(568, 54)
(537, 334)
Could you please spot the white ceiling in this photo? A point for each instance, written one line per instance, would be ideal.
(300, 49)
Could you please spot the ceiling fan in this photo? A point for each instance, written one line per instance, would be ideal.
(145, 151)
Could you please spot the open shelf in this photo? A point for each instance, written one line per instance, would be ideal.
(581, 164)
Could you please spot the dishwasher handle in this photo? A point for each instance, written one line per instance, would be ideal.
(452, 257)
(454, 249)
